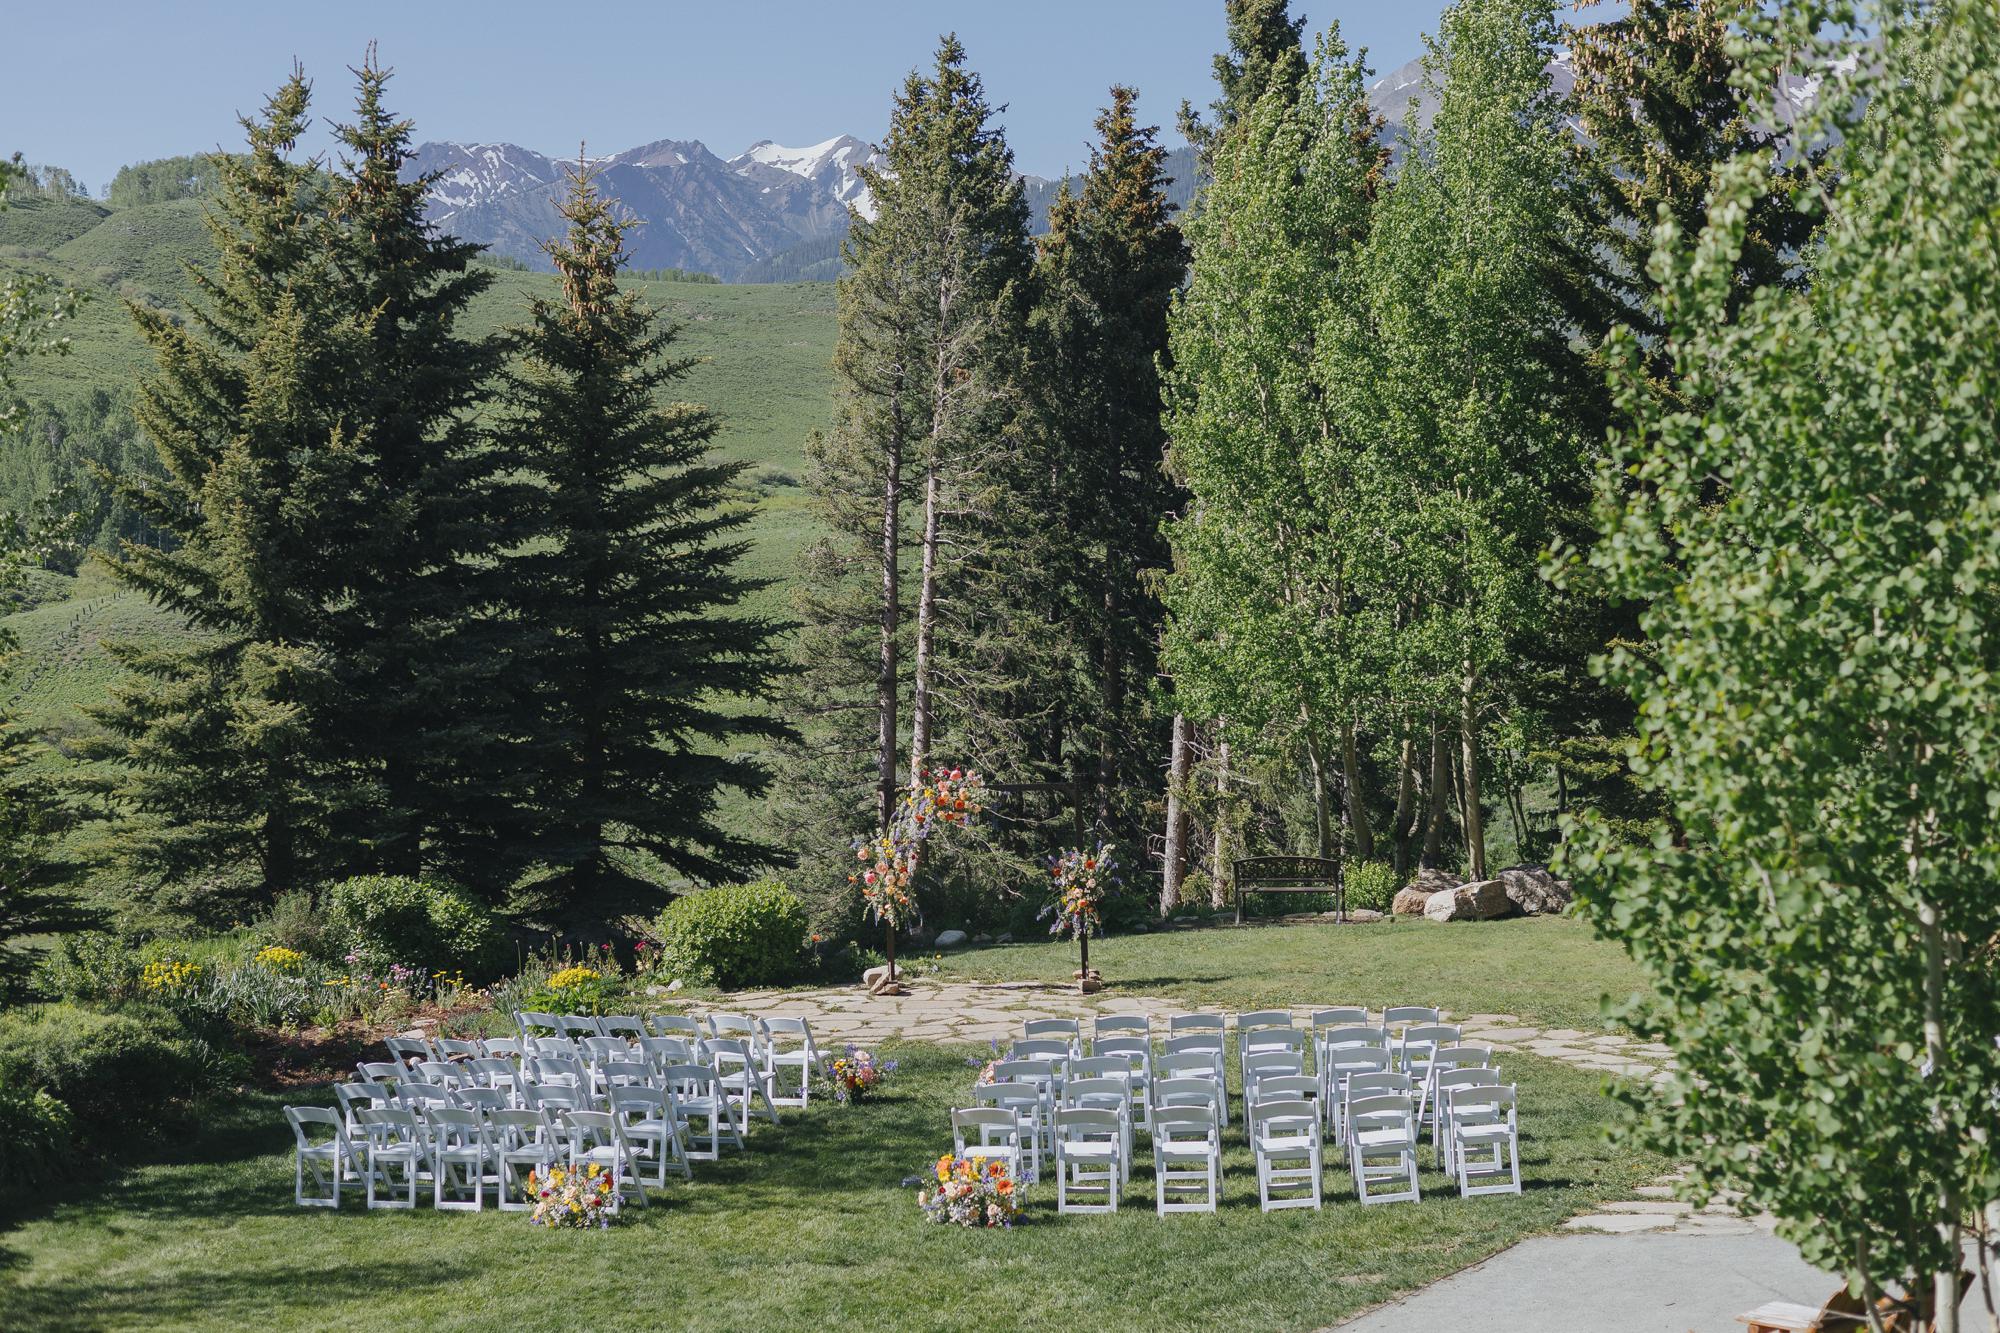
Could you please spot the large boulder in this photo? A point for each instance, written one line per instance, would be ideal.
(950, 939)
(1414, 896)
(1480, 901)
(1534, 890)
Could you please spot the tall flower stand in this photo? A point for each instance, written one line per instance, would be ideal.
(883, 980)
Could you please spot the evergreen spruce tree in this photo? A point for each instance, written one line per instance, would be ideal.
(419, 703)
(1264, 52)
(642, 677)
(917, 476)
(1106, 275)
(222, 768)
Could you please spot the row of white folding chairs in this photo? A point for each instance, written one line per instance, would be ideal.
(664, 1062)
(782, 1046)
(462, 1151)
(1393, 1020)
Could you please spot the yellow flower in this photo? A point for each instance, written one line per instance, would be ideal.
(280, 959)
(573, 976)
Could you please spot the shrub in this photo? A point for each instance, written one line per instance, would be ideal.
(109, 1069)
(1371, 885)
(93, 965)
(296, 922)
(415, 922)
(35, 1134)
(734, 935)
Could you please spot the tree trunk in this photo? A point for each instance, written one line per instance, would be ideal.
(920, 709)
(1440, 779)
(1176, 850)
(1400, 830)
(1944, 1285)
(891, 622)
(1357, 807)
(1468, 737)
(1322, 813)
(1110, 725)
(1218, 866)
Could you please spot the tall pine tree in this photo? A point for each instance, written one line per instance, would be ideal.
(1265, 52)
(419, 700)
(1106, 275)
(221, 762)
(642, 676)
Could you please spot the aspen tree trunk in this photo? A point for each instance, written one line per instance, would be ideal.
(1468, 736)
(1322, 812)
(1357, 807)
(1176, 850)
(1400, 829)
(1218, 868)
(920, 711)
(1440, 779)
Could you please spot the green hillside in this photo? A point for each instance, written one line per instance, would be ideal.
(765, 371)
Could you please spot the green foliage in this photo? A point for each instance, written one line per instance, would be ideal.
(36, 1135)
(1812, 522)
(733, 935)
(644, 675)
(419, 923)
(164, 180)
(1370, 884)
(109, 1069)
(670, 275)
(297, 921)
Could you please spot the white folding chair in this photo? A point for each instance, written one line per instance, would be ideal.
(1107, 1091)
(1199, 1092)
(456, 1049)
(353, 1096)
(497, 1073)
(1443, 1085)
(1067, 1030)
(410, 1050)
(1382, 1145)
(652, 1130)
(698, 1095)
(1261, 1065)
(1418, 1044)
(628, 1027)
(524, 1143)
(743, 1079)
(1284, 1133)
(674, 1025)
(327, 1160)
(595, 1139)
(1137, 1056)
(988, 1134)
(1089, 1158)
(398, 1156)
(1205, 1043)
(1120, 1025)
(501, 1048)
(1443, 1058)
(1026, 1089)
(1252, 1027)
(1396, 1018)
(577, 1026)
(532, 1024)
(1342, 1066)
(1187, 1159)
(790, 1047)
(1485, 1140)
(462, 1159)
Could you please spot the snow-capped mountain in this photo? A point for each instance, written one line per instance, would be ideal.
(830, 165)
(690, 208)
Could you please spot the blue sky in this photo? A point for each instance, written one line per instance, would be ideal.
(140, 80)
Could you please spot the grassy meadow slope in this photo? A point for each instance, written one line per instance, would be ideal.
(764, 369)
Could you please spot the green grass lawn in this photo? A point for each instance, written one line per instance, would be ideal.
(1547, 970)
(811, 1229)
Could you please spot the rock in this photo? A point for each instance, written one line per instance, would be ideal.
(1534, 890)
(982, 939)
(1481, 901)
(1364, 915)
(656, 990)
(1003, 939)
(874, 976)
(673, 985)
(1412, 899)
(951, 939)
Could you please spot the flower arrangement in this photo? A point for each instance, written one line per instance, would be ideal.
(937, 799)
(855, 1073)
(566, 1197)
(971, 1194)
(277, 958)
(168, 977)
(1081, 879)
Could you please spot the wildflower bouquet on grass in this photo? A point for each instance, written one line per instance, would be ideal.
(971, 1194)
(566, 1197)
(856, 1073)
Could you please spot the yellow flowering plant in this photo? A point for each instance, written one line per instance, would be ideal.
(277, 958)
(168, 977)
